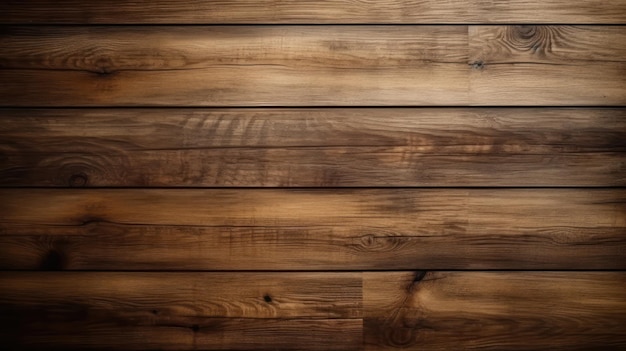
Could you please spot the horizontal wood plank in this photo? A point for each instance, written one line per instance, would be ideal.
(312, 66)
(495, 311)
(338, 229)
(233, 66)
(184, 311)
(548, 64)
(317, 311)
(313, 147)
(324, 11)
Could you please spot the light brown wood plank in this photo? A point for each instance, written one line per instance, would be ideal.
(310, 66)
(338, 229)
(184, 311)
(546, 65)
(232, 66)
(313, 147)
(324, 11)
(495, 311)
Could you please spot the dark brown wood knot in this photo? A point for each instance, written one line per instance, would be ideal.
(78, 180)
(526, 32)
(400, 337)
(54, 260)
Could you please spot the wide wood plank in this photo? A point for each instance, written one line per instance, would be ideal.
(313, 147)
(495, 311)
(232, 66)
(311, 66)
(323, 11)
(338, 229)
(184, 311)
(546, 65)
(318, 311)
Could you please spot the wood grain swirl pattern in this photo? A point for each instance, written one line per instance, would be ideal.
(547, 44)
(336, 229)
(494, 310)
(312, 66)
(529, 64)
(312, 147)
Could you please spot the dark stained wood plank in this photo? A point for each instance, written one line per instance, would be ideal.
(495, 311)
(184, 311)
(545, 65)
(313, 147)
(233, 66)
(324, 11)
(312, 229)
(311, 66)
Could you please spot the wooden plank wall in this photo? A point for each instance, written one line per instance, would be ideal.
(298, 175)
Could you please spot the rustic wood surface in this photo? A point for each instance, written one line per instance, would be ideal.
(313, 65)
(494, 311)
(337, 229)
(313, 147)
(313, 175)
(548, 65)
(314, 311)
(321, 11)
(191, 311)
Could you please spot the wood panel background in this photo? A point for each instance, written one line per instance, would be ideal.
(329, 175)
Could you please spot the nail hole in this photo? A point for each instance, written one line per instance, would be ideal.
(267, 298)
(195, 327)
(478, 65)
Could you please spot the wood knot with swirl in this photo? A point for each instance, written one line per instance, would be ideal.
(537, 39)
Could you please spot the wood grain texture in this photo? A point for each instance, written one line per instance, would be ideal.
(184, 311)
(541, 65)
(495, 311)
(233, 66)
(312, 147)
(317, 311)
(324, 11)
(312, 66)
(313, 175)
(338, 229)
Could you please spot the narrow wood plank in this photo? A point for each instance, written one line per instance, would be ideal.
(323, 11)
(184, 311)
(338, 229)
(233, 66)
(310, 66)
(313, 147)
(544, 65)
(495, 311)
